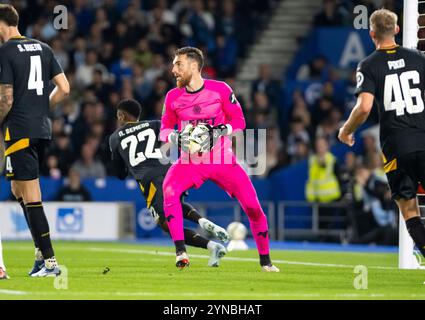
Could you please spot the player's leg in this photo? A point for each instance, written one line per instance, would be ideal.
(410, 210)
(235, 181)
(191, 214)
(403, 183)
(39, 260)
(152, 191)
(3, 274)
(194, 239)
(25, 157)
(37, 219)
(179, 178)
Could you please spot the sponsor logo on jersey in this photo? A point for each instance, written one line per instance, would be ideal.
(359, 78)
(197, 109)
(232, 98)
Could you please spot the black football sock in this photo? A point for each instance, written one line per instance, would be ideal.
(40, 227)
(191, 238)
(21, 203)
(417, 232)
(180, 247)
(190, 213)
(265, 260)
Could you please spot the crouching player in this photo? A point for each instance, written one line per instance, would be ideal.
(135, 149)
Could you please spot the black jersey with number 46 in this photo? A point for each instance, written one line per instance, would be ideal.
(28, 65)
(135, 149)
(395, 77)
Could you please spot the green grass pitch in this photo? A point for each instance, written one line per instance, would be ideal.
(148, 272)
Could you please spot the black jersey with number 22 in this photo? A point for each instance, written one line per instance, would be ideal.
(136, 148)
(395, 77)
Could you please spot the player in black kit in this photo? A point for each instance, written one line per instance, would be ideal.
(393, 77)
(26, 67)
(135, 149)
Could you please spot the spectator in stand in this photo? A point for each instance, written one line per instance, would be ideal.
(225, 56)
(123, 67)
(84, 73)
(202, 24)
(160, 88)
(375, 220)
(60, 53)
(298, 134)
(73, 190)
(87, 166)
(63, 152)
(317, 69)
(266, 84)
(50, 167)
(323, 184)
(302, 151)
(99, 86)
(329, 16)
(322, 111)
(300, 110)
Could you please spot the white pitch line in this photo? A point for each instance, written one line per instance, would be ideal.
(162, 253)
(13, 292)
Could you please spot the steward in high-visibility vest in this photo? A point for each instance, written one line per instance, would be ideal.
(322, 185)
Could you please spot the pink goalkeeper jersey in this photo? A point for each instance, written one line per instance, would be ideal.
(215, 103)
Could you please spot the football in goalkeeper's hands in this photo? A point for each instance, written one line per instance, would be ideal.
(199, 139)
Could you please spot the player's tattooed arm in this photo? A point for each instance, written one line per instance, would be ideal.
(6, 100)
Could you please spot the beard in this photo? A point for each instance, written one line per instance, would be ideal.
(183, 82)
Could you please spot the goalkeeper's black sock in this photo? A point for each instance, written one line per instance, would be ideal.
(265, 260)
(21, 203)
(40, 228)
(190, 213)
(191, 238)
(417, 232)
(180, 247)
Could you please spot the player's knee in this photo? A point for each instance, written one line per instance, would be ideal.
(254, 211)
(163, 224)
(171, 193)
(15, 190)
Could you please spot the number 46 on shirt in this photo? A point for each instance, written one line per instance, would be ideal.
(403, 94)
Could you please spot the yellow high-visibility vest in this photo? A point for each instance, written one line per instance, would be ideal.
(322, 184)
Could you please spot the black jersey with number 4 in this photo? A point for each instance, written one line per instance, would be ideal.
(395, 77)
(135, 149)
(28, 65)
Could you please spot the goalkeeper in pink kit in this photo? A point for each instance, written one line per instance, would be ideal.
(197, 100)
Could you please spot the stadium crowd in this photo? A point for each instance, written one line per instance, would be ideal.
(123, 49)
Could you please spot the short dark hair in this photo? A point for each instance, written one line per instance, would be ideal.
(130, 106)
(9, 15)
(192, 53)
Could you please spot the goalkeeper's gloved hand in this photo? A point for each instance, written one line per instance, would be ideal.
(181, 139)
(215, 133)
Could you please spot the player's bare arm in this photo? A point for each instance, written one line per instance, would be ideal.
(6, 100)
(61, 91)
(358, 116)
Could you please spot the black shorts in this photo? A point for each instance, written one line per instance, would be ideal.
(152, 191)
(23, 158)
(405, 173)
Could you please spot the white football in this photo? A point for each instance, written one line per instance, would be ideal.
(237, 231)
(198, 139)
